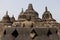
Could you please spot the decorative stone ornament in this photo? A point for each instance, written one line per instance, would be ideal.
(33, 34)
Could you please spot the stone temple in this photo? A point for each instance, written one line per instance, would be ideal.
(29, 26)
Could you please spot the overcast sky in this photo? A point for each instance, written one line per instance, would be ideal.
(14, 7)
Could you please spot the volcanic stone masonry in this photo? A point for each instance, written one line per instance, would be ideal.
(29, 26)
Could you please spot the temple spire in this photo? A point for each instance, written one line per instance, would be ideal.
(22, 10)
(30, 7)
(6, 12)
(46, 8)
(12, 15)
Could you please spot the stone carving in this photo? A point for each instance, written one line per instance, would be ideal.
(29, 26)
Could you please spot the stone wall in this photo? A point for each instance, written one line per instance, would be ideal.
(16, 33)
